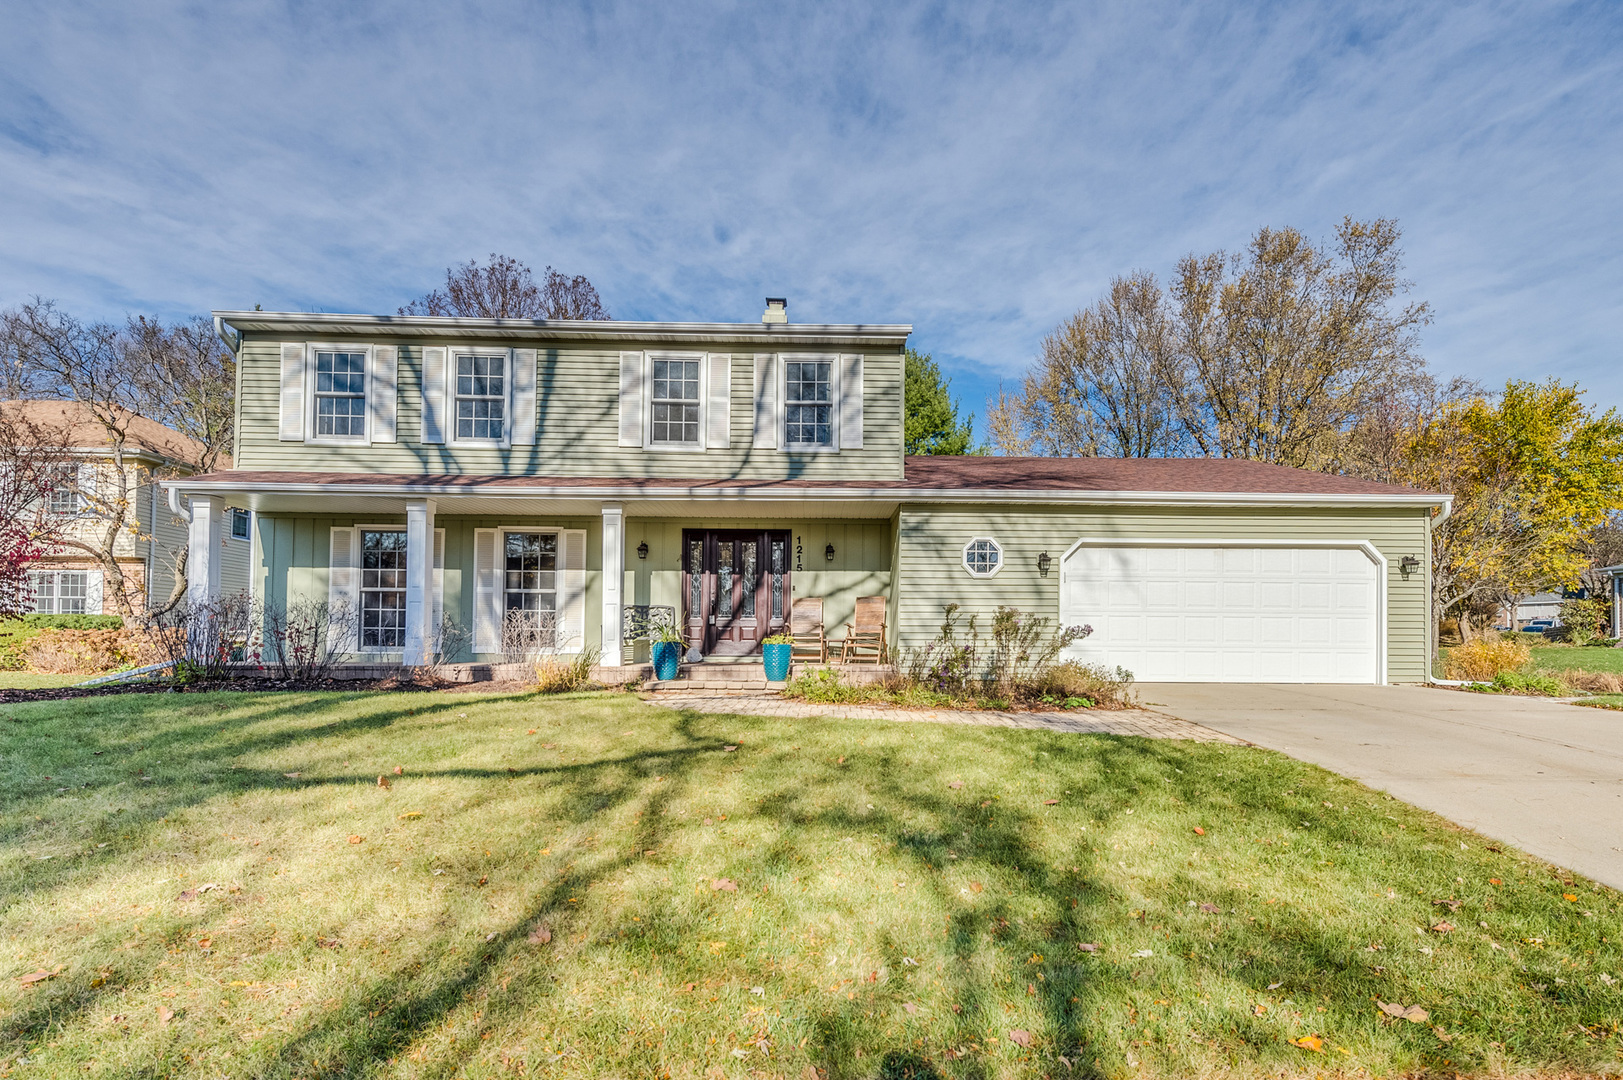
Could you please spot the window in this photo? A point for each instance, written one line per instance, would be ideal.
(340, 394)
(532, 572)
(676, 402)
(63, 500)
(383, 590)
(983, 557)
(60, 592)
(239, 523)
(809, 402)
(481, 396)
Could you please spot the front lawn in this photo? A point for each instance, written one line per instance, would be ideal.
(1559, 658)
(587, 886)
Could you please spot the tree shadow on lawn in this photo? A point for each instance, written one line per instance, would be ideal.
(1086, 1000)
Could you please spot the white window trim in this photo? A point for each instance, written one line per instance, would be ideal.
(231, 531)
(963, 557)
(833, 360)
(648, 442)
(451, 436)
(311, 421)
(360, 590)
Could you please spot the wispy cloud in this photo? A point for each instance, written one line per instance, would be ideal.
(980, 171)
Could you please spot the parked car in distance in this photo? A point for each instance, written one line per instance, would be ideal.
(1539, 626)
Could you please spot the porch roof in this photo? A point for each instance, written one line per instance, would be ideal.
(1164, 481)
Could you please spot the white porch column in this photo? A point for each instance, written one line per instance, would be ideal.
(419, 582)
(1617, 605)
(203, 541)
(614, 565)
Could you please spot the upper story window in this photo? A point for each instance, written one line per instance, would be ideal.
(675, 399)
(481, 396)
(383, 589)
(809, 403)
(63, 499)
(239, 523)
(340, 394)
(983, 556)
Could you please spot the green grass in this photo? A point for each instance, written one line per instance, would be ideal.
(1557, 658)
(885, 923)
(33, 680)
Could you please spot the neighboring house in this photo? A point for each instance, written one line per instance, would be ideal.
(409, 469)
(71, 581)
(1542, 607)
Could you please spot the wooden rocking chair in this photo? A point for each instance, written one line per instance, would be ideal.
(806, 628)
(865, 637)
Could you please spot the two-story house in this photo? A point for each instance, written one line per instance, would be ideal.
(416, 471)
(102, 480)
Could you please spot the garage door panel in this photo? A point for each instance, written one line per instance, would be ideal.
(1220, 613)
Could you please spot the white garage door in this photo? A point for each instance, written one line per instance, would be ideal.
(1225, 614)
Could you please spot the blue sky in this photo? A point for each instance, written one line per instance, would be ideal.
(979, 171)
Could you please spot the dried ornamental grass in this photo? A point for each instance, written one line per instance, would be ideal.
(1481, 660)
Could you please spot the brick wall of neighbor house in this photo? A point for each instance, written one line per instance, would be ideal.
(930, 574)
(577, 390)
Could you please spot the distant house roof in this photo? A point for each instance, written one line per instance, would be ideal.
(81, 430)
(1191, 475)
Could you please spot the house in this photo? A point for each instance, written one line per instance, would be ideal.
(564, 485)
(95, 484)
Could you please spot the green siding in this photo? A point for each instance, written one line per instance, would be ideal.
(930, 573)
(577, 429)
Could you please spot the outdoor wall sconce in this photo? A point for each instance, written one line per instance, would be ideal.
(642, 550)
(1408, 565)
(1044, 561)
(828, 553)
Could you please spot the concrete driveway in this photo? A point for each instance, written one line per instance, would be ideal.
(1545, 777)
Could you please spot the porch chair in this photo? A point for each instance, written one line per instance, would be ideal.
(865, 637)
(806, 628)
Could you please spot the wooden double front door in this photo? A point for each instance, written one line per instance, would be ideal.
(735, 588)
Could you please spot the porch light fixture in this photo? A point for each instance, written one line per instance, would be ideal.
(1408, 565)
(828, 553)
(1044, 561)
(642, 550)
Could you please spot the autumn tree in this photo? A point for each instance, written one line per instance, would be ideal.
(504, 288)
(33, 461)
(930, 423)
(1272, 354)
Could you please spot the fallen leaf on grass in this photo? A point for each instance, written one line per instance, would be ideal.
(1210, 909)
(203, 943)
(289, 775)
(1050, 802)
(1441, 1034)
(1442, 928)
(165, 1014)
(1412, 1013)
(1451, 905)
(530, 732)
(841, 761)
(400, 770)
(1495, 881)
(35, 976)
(410, 815)
(383, 781)
(1021, 1038)
(910, 1007)
(1569, 898)
(956, 784)
(722, 884)
(1258, 1010)
(1310, 1042)
(1088, 946)
(1142, 953)
(728, 749)
(975, 886)
(543, 934)
(356, 839)
(329, 943)
(1199, 831)
(688, 989)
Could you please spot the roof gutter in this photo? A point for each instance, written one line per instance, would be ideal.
(231, 336)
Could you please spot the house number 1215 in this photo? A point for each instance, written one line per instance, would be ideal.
(798, 550)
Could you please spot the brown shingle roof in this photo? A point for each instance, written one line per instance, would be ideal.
(82, 429)
(1193, 476)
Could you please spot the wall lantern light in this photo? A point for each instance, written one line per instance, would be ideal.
(1044, 561)
(828, 553)
(642, 550)
(1408, 565)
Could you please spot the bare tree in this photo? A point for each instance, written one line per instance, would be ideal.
(184, 377)
(504, 288)
(32, 462)
(1273, 354)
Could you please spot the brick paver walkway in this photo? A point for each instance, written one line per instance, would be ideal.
(1121, 722)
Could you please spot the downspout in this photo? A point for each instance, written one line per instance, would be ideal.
(152, 545)
(231, 337)
(1431, 623)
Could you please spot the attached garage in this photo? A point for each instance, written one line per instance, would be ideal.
(1229, 611)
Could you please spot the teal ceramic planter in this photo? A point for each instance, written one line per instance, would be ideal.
(777, 661)
(667, 657)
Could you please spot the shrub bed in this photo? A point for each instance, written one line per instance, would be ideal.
(87, 652)
(15, 634)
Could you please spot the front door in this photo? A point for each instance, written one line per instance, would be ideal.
(735, 588)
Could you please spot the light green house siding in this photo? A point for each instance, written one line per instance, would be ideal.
(577, 425)
(930, 573)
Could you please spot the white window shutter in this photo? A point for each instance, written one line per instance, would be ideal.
(631, 399)
(433, 394)
(572, 594)
(382, 393)
(436, 613)
(487, 591)
(93, 592)
(85, 481)
(766, 401)
(290, 427)
(343, 589)
(719, 404)
(523, 426)
(851, 403)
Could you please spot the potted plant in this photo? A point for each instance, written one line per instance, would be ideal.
(666, 652)
(775, 650)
